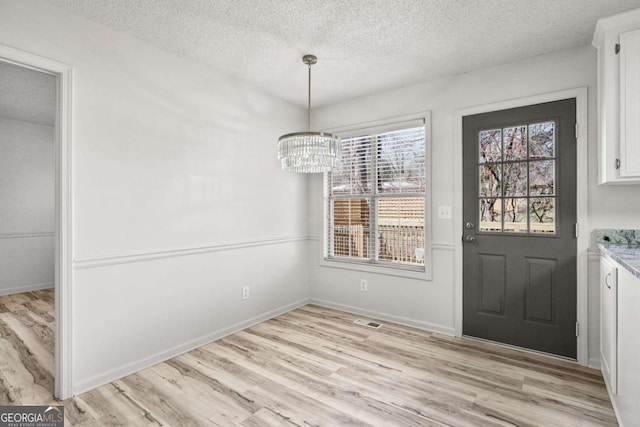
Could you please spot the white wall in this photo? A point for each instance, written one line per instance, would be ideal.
(430, 304)
(26, 206)
(178, 199)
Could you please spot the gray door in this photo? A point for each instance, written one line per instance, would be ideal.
(519, 273)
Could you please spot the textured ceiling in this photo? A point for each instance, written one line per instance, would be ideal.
(27, 95)
(363, 46)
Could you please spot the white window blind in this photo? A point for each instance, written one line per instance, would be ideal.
(375, 201)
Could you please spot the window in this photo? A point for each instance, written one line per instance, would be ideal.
(375, 201)
(517, 179)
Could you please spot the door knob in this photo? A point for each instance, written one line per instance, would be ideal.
(469, 238)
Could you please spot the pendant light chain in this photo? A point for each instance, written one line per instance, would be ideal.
(309, 98)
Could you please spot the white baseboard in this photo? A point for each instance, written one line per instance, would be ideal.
(613, 400)
(162, 356)
(27, 288)
(426, 326)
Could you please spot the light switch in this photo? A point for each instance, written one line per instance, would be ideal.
(444, 212)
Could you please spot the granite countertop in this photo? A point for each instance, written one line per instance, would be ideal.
(626, 255)
(623, 245)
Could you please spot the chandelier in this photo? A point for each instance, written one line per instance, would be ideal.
(309, 152)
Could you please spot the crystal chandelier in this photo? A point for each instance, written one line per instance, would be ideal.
(309, 152)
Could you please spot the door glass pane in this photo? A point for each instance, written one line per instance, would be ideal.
(490, 177)
(490, 214)
(515, 179)
(543, 214)
(515, 143)
(490, 146)
(515, 215)
(542, 141)
(542, 177)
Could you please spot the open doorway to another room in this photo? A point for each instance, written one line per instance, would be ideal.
(27, 231)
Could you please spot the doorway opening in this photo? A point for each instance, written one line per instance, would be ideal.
(50, 216)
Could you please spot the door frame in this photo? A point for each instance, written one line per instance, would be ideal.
(580, 94)
(63, 210)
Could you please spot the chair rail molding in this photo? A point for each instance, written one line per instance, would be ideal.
(27, 234)
(104, 261)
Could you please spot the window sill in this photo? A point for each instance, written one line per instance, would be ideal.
(376, 269)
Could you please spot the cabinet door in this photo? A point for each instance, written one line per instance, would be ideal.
(630, 104)
(608, 322)
(628, 397)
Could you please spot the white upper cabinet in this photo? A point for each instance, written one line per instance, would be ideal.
(617, 39)
(630, 104)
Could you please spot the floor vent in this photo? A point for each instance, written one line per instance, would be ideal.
(368, 323)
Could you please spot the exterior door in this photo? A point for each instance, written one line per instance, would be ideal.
(519, 213)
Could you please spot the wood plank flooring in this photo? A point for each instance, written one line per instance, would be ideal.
(311, 366)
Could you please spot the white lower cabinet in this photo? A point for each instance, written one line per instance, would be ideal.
(609, 322)
(621, 356)
(628, 396)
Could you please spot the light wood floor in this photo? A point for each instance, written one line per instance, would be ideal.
(311, 366)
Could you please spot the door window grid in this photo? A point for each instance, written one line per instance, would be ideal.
(517, 179)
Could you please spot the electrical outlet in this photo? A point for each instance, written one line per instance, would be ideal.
(245, 292)
(363, 285)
